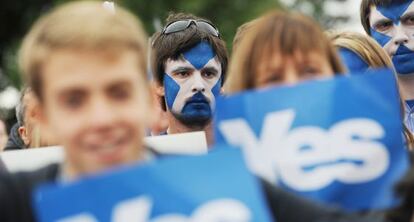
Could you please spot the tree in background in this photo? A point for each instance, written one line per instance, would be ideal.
(317, 10)
(227, 15)
(16, 17)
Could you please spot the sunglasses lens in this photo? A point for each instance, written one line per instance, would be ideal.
(208, 28)
(183, 24)
(176, 26)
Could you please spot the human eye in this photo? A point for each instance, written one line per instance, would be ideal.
(309, 71)
(383, 25)
(408, 19)
(273, 78)
(120, 92)
(73, 99)
(209, 73)
(182, 73)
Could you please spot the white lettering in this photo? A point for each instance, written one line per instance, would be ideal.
(82, 217)
(310, 158)
(139, 209)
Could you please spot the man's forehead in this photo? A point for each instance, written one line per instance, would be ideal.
(182, 62)
(394, 10)
(199, 55)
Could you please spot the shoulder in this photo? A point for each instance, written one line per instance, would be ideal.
(286, 206)
(14, 142)
(20, 181)
(16, 192)
(33, 178)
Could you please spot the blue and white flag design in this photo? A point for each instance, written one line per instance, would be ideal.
(337, 141)
(212, 188)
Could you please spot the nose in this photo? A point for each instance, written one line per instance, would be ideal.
(198, 83)
(100, 114)
(400, 36)
(291, 76)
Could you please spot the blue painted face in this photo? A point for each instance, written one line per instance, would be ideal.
(353, 62)
(192, 84)
(393, 28)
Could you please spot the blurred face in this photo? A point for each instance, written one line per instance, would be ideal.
(392, 26)
(96, 104)
(299, 67)
(192, 83)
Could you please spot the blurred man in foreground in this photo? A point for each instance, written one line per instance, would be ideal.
(88, 74)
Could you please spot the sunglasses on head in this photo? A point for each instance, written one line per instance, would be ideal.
(181, 25)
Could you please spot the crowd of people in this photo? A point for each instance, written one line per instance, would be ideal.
(88, 88)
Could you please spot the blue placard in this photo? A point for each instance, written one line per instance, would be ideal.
(337, 141)
(215, 187)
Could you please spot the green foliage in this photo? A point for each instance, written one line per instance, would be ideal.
(226, 15)
(11, 67)
(313, 8)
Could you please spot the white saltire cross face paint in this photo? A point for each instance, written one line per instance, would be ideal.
(193, 82)
(393, 28)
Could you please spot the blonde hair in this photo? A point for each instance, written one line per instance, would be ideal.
(364, 46)
(282, 32)
(80, 25)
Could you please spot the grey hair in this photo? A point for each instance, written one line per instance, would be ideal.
(21, 107)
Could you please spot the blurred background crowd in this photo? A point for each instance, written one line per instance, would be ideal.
(17, 16)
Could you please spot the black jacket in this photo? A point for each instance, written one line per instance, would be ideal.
(287, 207)
(14, 142)
(16, 191)
(3, 168)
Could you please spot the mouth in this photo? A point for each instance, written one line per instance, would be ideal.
(405, 58)
(402, 51)
(108, 151)
(197, 102)
(402, 54)
(198, 98)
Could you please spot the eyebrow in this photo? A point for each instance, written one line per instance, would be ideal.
(408, 14)
(121, 83)
(382, 20)
(182, 68)
(210, 69)
(71, 91)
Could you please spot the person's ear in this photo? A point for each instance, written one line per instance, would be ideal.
(159, 122)
(23, 133)
(158, 89)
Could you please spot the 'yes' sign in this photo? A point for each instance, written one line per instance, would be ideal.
(337, 141)
(212, 188)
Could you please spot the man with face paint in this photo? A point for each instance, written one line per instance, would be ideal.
(189, 65)
(391, 24)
